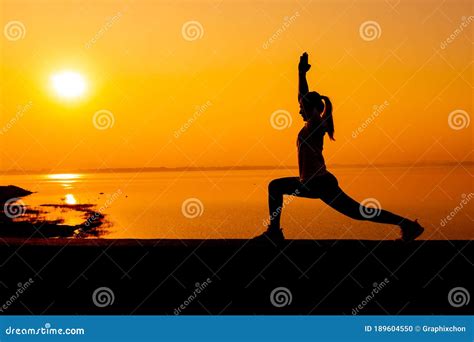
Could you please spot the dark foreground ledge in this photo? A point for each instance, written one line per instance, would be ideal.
(232, 277)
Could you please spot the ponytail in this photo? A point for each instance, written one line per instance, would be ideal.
(327, 117)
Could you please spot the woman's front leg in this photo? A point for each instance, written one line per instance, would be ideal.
(276, 189)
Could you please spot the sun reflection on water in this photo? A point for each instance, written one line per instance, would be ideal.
(65, 179)
(65, 176)
(70, 199)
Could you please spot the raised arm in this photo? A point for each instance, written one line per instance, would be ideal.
(303, 68)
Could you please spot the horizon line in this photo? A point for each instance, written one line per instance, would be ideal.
(228, 168)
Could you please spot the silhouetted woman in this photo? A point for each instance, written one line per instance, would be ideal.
(314, 180)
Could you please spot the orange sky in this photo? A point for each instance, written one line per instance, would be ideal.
(140, 68)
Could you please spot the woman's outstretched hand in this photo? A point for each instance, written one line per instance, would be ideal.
(303, 66)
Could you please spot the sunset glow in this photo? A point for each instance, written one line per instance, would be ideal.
(68, 84)
(299, 157)
(215, 74)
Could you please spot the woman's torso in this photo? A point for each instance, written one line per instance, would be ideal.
(310, 153)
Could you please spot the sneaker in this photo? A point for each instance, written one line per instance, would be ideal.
(410, 230)
(274, 235)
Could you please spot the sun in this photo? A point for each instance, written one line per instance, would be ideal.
(68, 84)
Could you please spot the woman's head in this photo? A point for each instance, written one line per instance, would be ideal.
(317, 109)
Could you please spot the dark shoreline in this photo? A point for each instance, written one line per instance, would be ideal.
(18, 220)
(234, 168)
(157, 276)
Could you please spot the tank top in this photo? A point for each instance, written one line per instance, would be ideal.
(310, 152)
